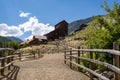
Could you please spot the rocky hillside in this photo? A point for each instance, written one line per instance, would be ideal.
(76, 24)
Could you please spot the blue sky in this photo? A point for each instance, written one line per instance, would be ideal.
(24, 18)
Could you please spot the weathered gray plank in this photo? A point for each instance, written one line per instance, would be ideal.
(110, 66)
(114, 52)
(89, 70)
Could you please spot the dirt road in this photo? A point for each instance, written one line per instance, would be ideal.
(50, 67)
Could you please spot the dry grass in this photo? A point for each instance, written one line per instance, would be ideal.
(44, 48)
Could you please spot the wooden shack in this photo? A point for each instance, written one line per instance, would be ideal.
(61, 30)
(36, 40)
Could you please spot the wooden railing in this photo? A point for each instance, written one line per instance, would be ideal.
(6, 59)
(70, 54)
(22, 56)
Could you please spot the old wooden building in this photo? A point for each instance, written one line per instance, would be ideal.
(61, 30)
(36, 40)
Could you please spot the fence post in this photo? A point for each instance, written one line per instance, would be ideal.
(82, 51)
(65, 56)
(8, 60)
(20, 56)
(91, 64)
(12, 58)
(78, 58)
(70, 58)
(116, 59)
(3, 63)
(38, 52)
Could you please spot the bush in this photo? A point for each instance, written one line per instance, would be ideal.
(14, 45)
(102, 32)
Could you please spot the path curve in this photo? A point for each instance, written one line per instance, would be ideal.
(50, 67)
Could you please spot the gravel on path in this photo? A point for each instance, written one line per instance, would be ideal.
(50, 67)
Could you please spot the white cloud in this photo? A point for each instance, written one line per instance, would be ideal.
(36, 27)
(32, 25)
(6, 30)
(23, 14)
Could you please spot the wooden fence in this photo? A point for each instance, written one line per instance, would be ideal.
(22, 56)
(6, 59)
(70, 55)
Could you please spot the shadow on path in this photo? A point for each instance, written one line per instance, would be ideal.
(12, 75)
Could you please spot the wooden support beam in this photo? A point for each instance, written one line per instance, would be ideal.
(12, 58)
(78, 58)
(116, 60)
(91, 64)
(91, 71)
(65, 56)
(71, 58)
(3, 63)
(8, 60)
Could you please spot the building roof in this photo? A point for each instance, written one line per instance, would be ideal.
(40, 37)
(25, 42)
(62, 22)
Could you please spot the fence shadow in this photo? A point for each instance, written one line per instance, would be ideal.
(12, 75)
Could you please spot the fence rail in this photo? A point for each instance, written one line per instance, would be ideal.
(6, 59)
(70, 54)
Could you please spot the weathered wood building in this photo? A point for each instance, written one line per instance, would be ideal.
(36, 40)
(61, 30)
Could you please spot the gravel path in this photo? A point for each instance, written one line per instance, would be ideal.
(50, 67)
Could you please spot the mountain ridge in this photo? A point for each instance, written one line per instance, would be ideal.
(76, 24)
(14, 39)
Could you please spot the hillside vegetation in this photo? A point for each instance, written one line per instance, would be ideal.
(3, 41)
(7, 42)
(15, 39)
(101, 32)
